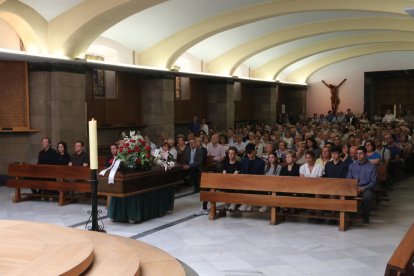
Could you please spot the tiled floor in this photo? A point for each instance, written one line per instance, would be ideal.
(247, 244)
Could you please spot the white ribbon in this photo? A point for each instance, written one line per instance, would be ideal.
(114, 167)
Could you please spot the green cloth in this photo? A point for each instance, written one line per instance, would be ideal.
(143, 206)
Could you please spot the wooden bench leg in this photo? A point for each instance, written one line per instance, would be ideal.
(342, 226)
(273, 213)
(273, 216)
(61, 198)
(17, 195)
(212, 214)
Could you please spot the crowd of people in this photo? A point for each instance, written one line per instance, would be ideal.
(335, 146)
(332, 145)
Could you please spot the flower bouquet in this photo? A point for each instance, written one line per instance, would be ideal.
(133, 152)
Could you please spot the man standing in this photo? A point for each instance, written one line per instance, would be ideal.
(195, 164)
(194, 126)
(79, 158)
(194, 168)
(366, 174)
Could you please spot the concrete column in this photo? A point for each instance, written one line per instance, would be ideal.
(220, 105)
(68, 107)
(57, 108)
(158, 107)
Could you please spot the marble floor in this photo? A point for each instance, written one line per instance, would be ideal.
(246, 244)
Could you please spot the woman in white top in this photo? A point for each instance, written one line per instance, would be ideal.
(310, 168)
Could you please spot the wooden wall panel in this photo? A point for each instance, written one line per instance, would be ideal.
(14, 95)
(294, 99)
(124, 110)
(392, 90)
(243, 109)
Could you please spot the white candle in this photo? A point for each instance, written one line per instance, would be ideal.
(395, 111)
(93, 145)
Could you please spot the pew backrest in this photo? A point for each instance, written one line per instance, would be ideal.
(48, 177)
(401, 261)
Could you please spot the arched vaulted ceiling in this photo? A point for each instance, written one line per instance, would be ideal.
(288, 39)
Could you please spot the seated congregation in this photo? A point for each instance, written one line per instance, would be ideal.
(375, 155)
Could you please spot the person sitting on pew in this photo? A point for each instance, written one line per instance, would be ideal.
(272, 168)
(47, 156)
(111, 155)
(291, 168)
(336, 168)
(217, 152)
(396, 166)
(80, 157)
(239, 144)
(372, 155)
(352, 156)
(231, 166)
(251, 164)
(366, 174)
(63, 157)
(311, 169)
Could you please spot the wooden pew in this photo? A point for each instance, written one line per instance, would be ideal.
(48, 177)
(381, 178)
(402, 260)
(276, 191)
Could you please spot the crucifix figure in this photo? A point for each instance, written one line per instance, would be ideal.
(334, 95)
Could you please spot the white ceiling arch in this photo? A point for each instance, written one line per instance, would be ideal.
(302, 74)
(228, 62)
(278, 64)
(267, 37)
(168, 50)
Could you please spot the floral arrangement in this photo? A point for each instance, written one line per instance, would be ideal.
(133, 152)
(164, 159)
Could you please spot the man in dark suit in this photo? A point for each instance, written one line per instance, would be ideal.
(350, 118)
(251, 164)
(194, 164)
(47, 156)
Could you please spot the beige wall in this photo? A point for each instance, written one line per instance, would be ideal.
(351, 93)
(57, 110)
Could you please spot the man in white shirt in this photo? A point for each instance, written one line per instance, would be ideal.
(388, 117)
(215, 151)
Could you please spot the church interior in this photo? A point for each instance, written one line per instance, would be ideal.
(159, 68)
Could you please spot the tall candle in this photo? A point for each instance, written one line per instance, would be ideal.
(93, 145)
(395, 111)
